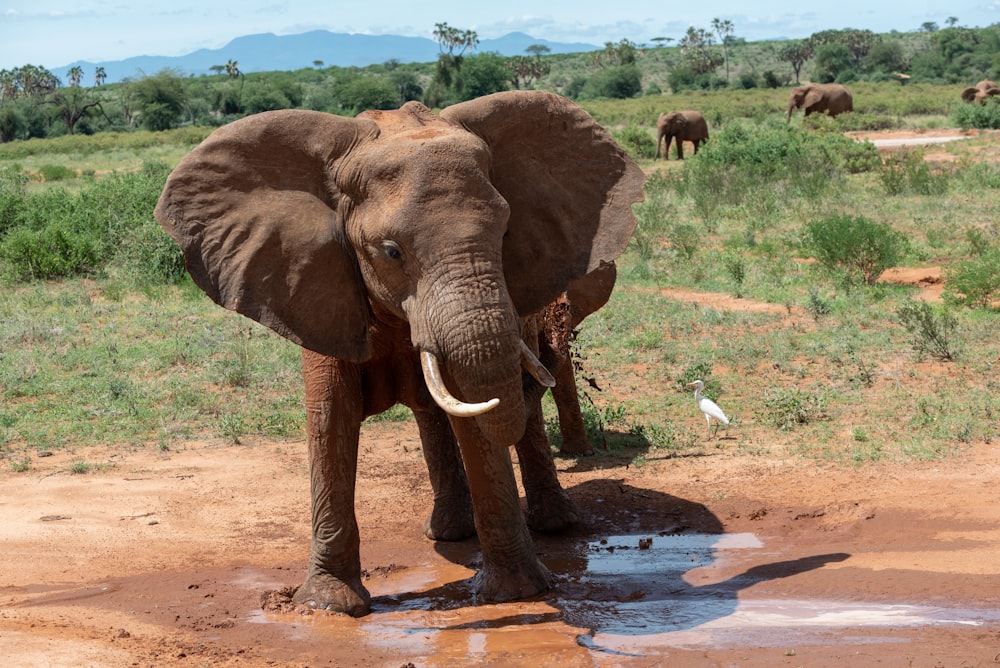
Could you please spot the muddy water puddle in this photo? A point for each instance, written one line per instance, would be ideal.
(622, 596)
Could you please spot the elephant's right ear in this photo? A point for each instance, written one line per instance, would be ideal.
(253, 213)
(969, 94)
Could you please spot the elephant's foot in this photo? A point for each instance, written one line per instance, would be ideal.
(495, 585)
(575, 445)
(325, 592)
(552, 512)
(450, 520)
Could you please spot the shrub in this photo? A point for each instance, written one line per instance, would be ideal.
(13, 183)
(932, 329)
(785, 409)
(636, 141)
(620, 82)
(51, 252)
(147, 255)
(857, 247)
(974, 282)
(983, 116)
(684, 239)
(905, 171)
(52, 173)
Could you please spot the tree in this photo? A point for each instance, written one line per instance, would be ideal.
(232, 68)
(161, 99)
(697, 51)
(796, 53)
(525, 70)
(624, 52)
(885, 57)
(73, 104)
(928, 26)
(452, 43)
(832, 61)
(75, 75)
(100, 76)
(952, 21)
(484, 74)
(724, 29)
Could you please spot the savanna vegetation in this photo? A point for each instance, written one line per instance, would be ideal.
(105, 340)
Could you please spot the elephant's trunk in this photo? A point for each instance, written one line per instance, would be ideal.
(471, 349)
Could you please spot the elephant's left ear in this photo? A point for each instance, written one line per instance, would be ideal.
(252, 210)
(570, 188)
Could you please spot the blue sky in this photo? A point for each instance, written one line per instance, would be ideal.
(53, 33)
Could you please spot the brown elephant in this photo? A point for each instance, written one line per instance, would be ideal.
(979, 93)
(406, 252)
(688, 125)
(831, 98)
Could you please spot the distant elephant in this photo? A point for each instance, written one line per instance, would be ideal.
(830, 98)
(406, 252)
(686, 125)
(980, 92)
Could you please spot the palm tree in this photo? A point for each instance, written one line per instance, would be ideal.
(100, 76)
(75, 74)
(233, 68)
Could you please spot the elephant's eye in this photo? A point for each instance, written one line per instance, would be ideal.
(392, 249)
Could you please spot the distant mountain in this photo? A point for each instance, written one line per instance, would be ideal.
(264, 52)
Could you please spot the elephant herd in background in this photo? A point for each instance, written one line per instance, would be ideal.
(830, 98)
(689, 125)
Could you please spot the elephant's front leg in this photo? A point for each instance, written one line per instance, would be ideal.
(451, 517)
(511, 569)
(333, 420)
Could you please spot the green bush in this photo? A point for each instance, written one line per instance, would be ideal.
(56, 233)
(52, 252)
(620, 82)
(932, 329)
(745, 160)
(636, 141)
(982, 116)
(974, 282)
(856, 247)
(147, 255)
(56, 173)
(785, 409)
(13, 184)
(905, 171)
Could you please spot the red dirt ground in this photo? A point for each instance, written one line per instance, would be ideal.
(184, 558)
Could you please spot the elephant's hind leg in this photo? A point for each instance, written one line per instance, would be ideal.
(574, 433)
(451, 518)
(549, 507)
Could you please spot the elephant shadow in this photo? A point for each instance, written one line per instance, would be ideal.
(626, 570)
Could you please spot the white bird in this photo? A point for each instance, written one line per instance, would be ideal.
(707, 406)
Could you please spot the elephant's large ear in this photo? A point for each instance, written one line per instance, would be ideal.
(969, 94)
(251, 209)
(570, 188)
(812, 97)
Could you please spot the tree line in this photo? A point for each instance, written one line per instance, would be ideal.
(35, 103)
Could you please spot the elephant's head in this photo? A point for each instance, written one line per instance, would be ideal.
(673, 123)
(802, 96)
(321, 227)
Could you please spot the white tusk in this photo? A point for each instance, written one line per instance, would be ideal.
(532, 365)
(442, 397)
